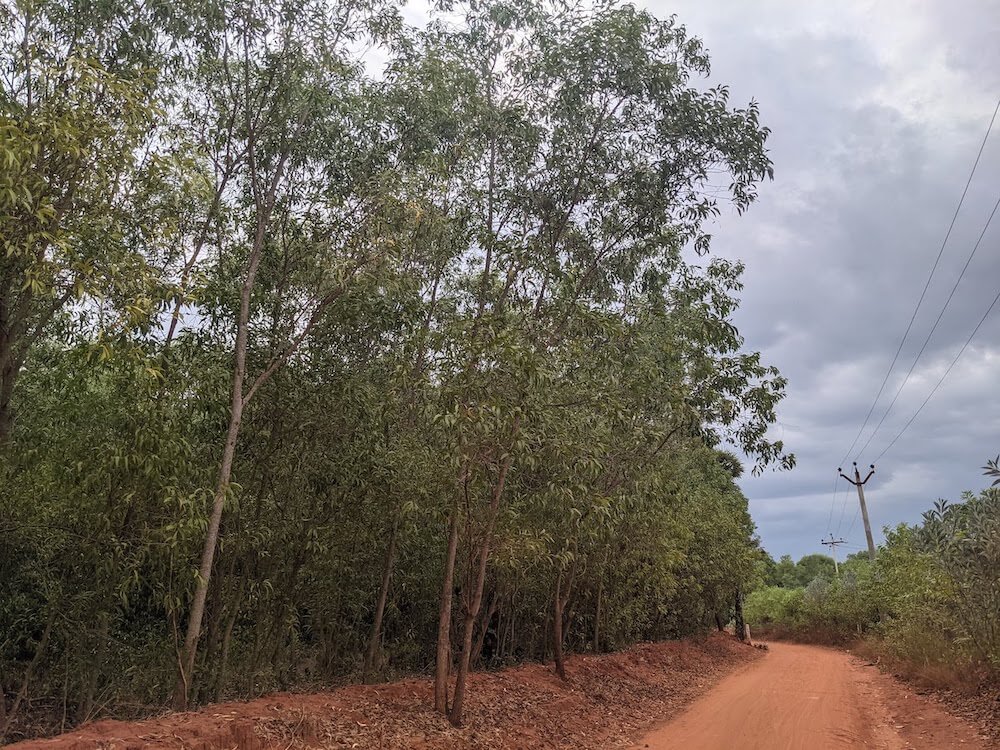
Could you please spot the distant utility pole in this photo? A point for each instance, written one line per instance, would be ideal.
(859, 483)
(832, 544)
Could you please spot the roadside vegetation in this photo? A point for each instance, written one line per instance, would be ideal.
(929, 604)
(333, 348)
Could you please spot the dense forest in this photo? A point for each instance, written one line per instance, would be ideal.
(334, 347)
(929, 603)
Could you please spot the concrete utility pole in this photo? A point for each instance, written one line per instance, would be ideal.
(832, 544)
(859, 483)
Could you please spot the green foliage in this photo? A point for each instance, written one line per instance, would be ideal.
(930, 599)
(792, 575)
(772, 605)
(472, 266)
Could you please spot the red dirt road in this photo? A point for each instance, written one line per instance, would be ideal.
(811, 698)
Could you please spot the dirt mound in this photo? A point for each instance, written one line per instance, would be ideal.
(604, 703)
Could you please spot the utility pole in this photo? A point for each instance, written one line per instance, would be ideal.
(859, 483)
(832, 544)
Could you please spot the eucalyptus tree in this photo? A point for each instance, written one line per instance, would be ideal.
(583, 165)
(304, 202)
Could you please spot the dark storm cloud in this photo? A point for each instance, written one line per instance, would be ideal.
(877, 111)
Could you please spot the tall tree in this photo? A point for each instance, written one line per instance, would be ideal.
(581, 161)
(278, 85)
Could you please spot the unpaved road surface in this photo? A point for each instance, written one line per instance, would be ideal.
(812, 698)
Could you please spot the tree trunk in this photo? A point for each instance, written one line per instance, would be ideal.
(443, 664)
(185, 672)
(546, 629)
(227, 637)
(3, 700)
(471, 611)
(557, 629)
(597, 615)
(6, 408)
(264, 201)
(87, 703)
(484, 627)
(28, 674)
(383, 595)
(476, 601)
(512, 627)
(718, 622)
(8, 370)
(740, 623)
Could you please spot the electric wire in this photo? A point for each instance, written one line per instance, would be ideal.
(954, 288)
(833, 504)
(853, 521)
(927, 284)
(945, 375)
(843, 508)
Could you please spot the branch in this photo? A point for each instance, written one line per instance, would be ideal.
(279, 360)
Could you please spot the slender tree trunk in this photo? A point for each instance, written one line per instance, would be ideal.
(3, 699)
(476, 600)
(28, 674)
(455, 715)
(507, 639)
(513, 631)
(190, 649)
(8, 373)
(443, 664)
(265, 206)
(484, 627)
(569, 609)
(227, 637)
(217, 610)
(718, 622)
(740, 623)
(560, 620)
(383, 595)
(6, 409)
(597, 614)
(557, 629)
(546, 629)
(96, 668)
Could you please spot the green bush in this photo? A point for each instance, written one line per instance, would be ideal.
(930, 601)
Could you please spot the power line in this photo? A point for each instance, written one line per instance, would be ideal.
(843, 509)
(923, 293)
(934, 327)
(833, 503)
(853, 521)
(938, 384)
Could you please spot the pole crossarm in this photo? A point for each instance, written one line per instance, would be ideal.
(859, 483)
(832, 544)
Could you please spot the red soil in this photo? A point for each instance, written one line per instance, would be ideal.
(606, 702)
(816, 698)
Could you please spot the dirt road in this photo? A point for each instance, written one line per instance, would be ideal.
(811, 698)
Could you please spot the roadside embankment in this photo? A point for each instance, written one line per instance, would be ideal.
(606, 701)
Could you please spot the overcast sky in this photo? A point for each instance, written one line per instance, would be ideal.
(877, 111)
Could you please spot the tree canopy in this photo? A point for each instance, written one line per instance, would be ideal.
(310, 370)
